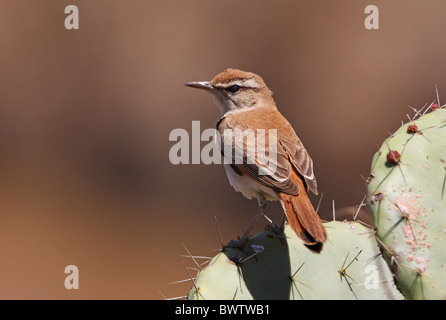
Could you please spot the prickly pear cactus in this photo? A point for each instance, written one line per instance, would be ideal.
(275, 267)
(407, 199)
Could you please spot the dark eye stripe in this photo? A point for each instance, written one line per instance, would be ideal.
(234, 88)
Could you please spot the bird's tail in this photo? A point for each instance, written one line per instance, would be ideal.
(304, 220)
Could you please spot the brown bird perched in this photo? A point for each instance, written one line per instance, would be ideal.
(246, 103)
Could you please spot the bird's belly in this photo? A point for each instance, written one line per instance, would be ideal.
(247, 186)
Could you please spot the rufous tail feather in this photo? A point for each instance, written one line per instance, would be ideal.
(304, 220)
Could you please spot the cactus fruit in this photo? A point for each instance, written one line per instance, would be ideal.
(406, 197)
(270, 266)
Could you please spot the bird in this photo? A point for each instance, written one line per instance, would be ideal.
(246, 103)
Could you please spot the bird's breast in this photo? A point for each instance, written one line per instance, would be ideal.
(247, 186)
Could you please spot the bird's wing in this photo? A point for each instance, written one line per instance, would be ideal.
(289, 153)
(265, 162)
(302, 161)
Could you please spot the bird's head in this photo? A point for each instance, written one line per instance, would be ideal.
(236, 90)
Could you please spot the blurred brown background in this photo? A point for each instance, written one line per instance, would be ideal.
(85, 117)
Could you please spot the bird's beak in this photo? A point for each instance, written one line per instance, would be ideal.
(200, 85)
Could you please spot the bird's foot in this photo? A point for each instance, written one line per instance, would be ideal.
(276, 230)
(236, 244)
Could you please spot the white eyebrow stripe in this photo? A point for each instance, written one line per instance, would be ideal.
(249, 83)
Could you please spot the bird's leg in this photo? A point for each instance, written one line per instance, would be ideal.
(262, 205)
(271, 225)
(239, 243)
(277, 231)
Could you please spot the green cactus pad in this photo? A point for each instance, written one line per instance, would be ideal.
(407, 200)
(272, 267)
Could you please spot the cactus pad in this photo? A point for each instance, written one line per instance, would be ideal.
(272, 267)
(407, 199)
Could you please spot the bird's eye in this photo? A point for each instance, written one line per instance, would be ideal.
(233, 89)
